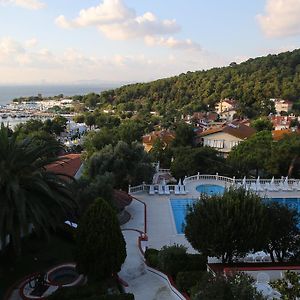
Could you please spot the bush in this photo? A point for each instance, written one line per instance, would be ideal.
(186, 280)
(172, 259)
(151, 256)
(196, 262)
(66, 232)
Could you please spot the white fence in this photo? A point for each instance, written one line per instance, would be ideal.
(227, 180)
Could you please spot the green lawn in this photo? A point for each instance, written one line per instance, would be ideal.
(37, 255)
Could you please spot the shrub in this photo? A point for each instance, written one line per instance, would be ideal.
(196, 262)
(151, 256)
(186, 280)
(101, 248)
(66, 232)
(172, 259)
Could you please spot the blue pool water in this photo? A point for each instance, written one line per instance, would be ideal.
(210, 189)
(180, 207)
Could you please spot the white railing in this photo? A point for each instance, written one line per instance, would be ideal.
(208, 177)
(228, 181)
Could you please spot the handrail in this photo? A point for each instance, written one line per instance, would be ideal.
(145, 187)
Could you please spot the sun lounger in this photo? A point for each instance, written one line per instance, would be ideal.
(182, 190)
(161, 190)
(151, 190)
(253, 186)
(177, 191)
(167, 190)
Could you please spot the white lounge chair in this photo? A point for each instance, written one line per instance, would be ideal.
(295, 186)
(151, 190)
(284, 187)
(267, 186)
(273, 187)
(177, 191)
(182, 190)
(253, 186)
(161, 190)
(167, 190)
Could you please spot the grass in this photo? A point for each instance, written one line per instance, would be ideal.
(38, 255)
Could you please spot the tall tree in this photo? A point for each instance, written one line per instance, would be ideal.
(101, 248)
(29, 193)
(184, 135)
(252, 155)
(283, 233)
(220, 226)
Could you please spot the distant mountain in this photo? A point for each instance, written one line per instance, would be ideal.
(251, 83)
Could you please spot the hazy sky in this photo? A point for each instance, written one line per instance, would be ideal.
(66, 41)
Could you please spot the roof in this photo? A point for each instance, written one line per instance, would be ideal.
(260, 266)
(229, 101)
(240, 131)
(280, 134)
(67, 165)
(165, 135)
(282, 101)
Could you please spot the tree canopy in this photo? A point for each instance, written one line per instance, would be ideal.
(221, 225)
(251, 83)
(29, 193)
(101, 248)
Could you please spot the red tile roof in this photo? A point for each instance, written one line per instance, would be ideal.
(67, 165)
(240, 131)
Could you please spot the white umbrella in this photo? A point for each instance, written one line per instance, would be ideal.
(179, 181)
(272, 180)
(258, 181)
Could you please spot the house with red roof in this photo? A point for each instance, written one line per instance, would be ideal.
(224, 138)
(68, 166)
(166, 136)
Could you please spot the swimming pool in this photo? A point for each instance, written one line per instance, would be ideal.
(180, 208)
(210, 189)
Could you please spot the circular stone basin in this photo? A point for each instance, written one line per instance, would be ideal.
(63, 275)
(210, 189)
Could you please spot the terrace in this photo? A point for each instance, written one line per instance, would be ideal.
(163, 200)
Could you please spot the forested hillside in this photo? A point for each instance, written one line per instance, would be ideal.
(252, 83)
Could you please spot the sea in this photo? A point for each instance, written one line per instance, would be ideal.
(10, 92)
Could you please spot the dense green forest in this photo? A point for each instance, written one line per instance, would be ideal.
(251, 83)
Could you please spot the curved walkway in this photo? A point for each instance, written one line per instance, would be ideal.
(142, 283)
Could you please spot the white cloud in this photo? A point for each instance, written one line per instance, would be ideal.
(281, 18)
(108, 12)
(29, 4)
(37, 63)
(119, 22)
(172, 43)
(31, 43)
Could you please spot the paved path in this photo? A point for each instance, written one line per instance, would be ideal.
(142, 283)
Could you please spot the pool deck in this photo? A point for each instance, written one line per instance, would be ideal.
(161, 225)
(161, 231)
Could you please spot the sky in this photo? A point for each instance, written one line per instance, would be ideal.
(90, 41)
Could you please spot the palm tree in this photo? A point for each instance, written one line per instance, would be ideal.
(29, 194)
